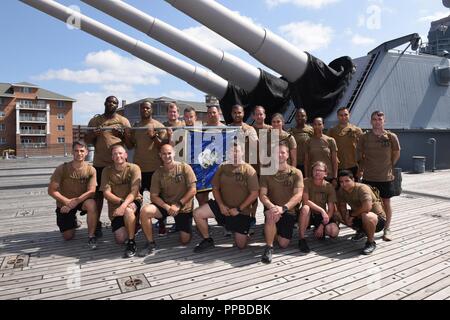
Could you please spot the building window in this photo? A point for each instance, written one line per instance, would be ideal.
(1, 101)
(25, 90)
(25, 140)
(60, 116)
(61, 140)
(61, 128)
(2, 127)
(60, 104)
(2, 140)
(2, 114)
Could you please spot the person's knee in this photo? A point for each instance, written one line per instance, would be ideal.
(283, 243)
(68, 235)
(120, 236)
(148, 211)
(332, 230)
(305, 211)
(185, 238)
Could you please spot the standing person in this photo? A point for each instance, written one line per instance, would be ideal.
(366, 215)
(120, 185)
(301, 133)
(172, 194)
(285, 137)
(190, 117)
(259, 116)
(146, 144)
(235, 189)
(212, 120)
(319, 202)
(173, 115)
(102, 141)
(72, 185)
(379, 151)
(281, 194)
(323, 148)
(346, 136)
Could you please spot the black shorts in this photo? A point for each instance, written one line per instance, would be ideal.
(146, 181)
(68, 221)
(285, 226)
(316, 219)
(240, 223)
(183, 221)
(99, 171)
(357, 224)
(386, 188)
(119, 222)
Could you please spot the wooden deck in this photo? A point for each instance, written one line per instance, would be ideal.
(35, 263)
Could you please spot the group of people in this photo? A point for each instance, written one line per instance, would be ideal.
(316, 183)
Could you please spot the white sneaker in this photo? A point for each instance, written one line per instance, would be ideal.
(387, 235)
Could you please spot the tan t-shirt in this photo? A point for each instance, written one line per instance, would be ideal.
(249, 136)
(284, 137)
(320, 149)
(320, 195)
(73, 182)
(280, 187)
(377, 155)
(172, 185)
(146, 152)
(102, 155)
(266, 152)
(346, 138)
(121, 183)
(358, 195)
(301, 136)
(180, 139)
(235, 184)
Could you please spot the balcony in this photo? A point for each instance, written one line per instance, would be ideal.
(33, 145)
(33, 132)
(33, 119)
(32, 106)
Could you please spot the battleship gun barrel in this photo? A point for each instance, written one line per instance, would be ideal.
(267, 47)
(225, 65)
(199, 78)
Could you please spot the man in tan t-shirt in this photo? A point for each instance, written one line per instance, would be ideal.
(281, 194)
(146, 144)
(172, 194)
(319, 202)
(301, 133)
(259, 116)
(120, 184)
(235, 189)
(102, 141)
(323, 148)
(379, 151)
(72, 185)
(346, 136)
(366, 214)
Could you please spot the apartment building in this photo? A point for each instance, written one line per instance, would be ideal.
(34, 121)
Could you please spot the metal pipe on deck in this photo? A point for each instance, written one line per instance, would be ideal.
(225, 65)
(267, 47)
(197, 77)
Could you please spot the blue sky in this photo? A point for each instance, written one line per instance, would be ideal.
(42, 50)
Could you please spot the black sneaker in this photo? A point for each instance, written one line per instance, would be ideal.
(303, 246)
(205, 244)
(267, 255)
(369, 247)
(131, 249)
(147, 250)
(359, 235)
(98, 230)
(92, 243)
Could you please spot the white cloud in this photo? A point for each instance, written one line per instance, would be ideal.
(435, 16)
(108, 67)
(180, 95)
(307, 36)
(213, 39)
(362, 41)
(315, 4)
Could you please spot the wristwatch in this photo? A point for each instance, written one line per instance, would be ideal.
(121, 201)
(238, 209)
(180, 204)
(285, 209)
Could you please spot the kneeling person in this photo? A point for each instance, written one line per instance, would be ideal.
(72, 185)
(172, 192)
(319, 201)
(120, 186)
(366, 214)
(235, 189)
(281, 194)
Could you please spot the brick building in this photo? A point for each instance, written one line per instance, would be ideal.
(34, 121)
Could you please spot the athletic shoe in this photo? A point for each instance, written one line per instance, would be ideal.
(92, 243)
(359, 235)
(204, 245)
(369, 247)
(148, 249)
(130, 251)
(267, 255)
(303, 246)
